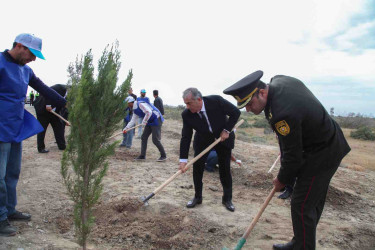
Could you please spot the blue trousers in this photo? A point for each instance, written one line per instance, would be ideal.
(128, 137)
(10, 168)
(211, 161)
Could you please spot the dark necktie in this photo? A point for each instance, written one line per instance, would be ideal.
(204, 120)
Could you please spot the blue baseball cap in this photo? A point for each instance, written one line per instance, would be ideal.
(143, 91)
(33, 43)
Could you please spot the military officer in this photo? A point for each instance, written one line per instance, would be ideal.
(311, 142)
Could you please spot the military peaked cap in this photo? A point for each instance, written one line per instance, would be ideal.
(244, 89)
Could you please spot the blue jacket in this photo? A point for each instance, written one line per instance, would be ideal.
(153, 120)
(16, 124)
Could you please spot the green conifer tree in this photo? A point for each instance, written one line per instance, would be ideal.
(96, 107)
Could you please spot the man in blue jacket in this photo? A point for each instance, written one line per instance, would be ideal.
(152, 121)
(16, 124)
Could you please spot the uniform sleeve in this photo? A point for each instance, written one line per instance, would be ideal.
(289, 132)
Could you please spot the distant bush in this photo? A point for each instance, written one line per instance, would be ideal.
(363, 133)
(261, 123)
(268, 130)
(174, 113)
(245, 124)
(355, 121)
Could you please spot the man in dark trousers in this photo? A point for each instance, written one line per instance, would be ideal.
(211, 117)
(45, 117)
(158, 102)
(311, 142)
(32, 98)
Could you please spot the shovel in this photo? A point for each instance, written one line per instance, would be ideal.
(59, 116)
(242, 241)
(157, 190)
(274, 164)
(122, 132)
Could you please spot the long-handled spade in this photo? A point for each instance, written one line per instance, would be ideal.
(122, 132)
(59, 116)
(157, 190)
(242, 241)
(274, 164)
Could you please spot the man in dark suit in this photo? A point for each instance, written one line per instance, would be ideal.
(45, 117)
(312, 146)
(211, 117)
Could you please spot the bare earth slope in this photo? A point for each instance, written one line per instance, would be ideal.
(348, 221)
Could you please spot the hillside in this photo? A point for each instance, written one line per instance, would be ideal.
(348, 221)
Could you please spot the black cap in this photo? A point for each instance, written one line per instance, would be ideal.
(244, 89)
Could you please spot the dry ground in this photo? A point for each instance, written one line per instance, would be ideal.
(348, 221)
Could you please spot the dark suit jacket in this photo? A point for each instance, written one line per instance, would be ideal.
(158, 103)
(221, 114)
(41, 102)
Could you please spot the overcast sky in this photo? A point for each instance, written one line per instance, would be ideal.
(172, 45)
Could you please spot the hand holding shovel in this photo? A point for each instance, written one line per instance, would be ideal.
(184, 167)
(59, 116)
(124, 131)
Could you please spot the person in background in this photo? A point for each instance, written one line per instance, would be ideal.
(130, 92)
(158, 102)
(212, 161)
(31, 98)
(312, 146)
(152, 119)
(43, 109)
(16, 124)
(128, 137)
(142, 98)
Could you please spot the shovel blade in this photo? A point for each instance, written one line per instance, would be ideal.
(145, 202)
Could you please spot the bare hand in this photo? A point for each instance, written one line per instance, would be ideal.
(224, 135)
(48, 108)
(278, 185)
(182, 166)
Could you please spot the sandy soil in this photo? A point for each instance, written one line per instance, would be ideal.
(348, 221)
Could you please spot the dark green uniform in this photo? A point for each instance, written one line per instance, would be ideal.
(312, 147)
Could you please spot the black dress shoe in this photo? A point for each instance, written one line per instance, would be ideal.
(229, 205)
(287, 246)
(194, 202)
(19, 216)
(286, 194)
(43, 151)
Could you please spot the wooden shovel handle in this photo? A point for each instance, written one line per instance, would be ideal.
(194, 160)
(274, 164)
(59, 116)
(256, 218)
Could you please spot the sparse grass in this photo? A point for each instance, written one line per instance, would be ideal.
(362, 152)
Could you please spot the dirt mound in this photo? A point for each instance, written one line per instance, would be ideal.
(353, 238)
(125, 155)
(256, 179)
(340, 200)
(158, 226)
